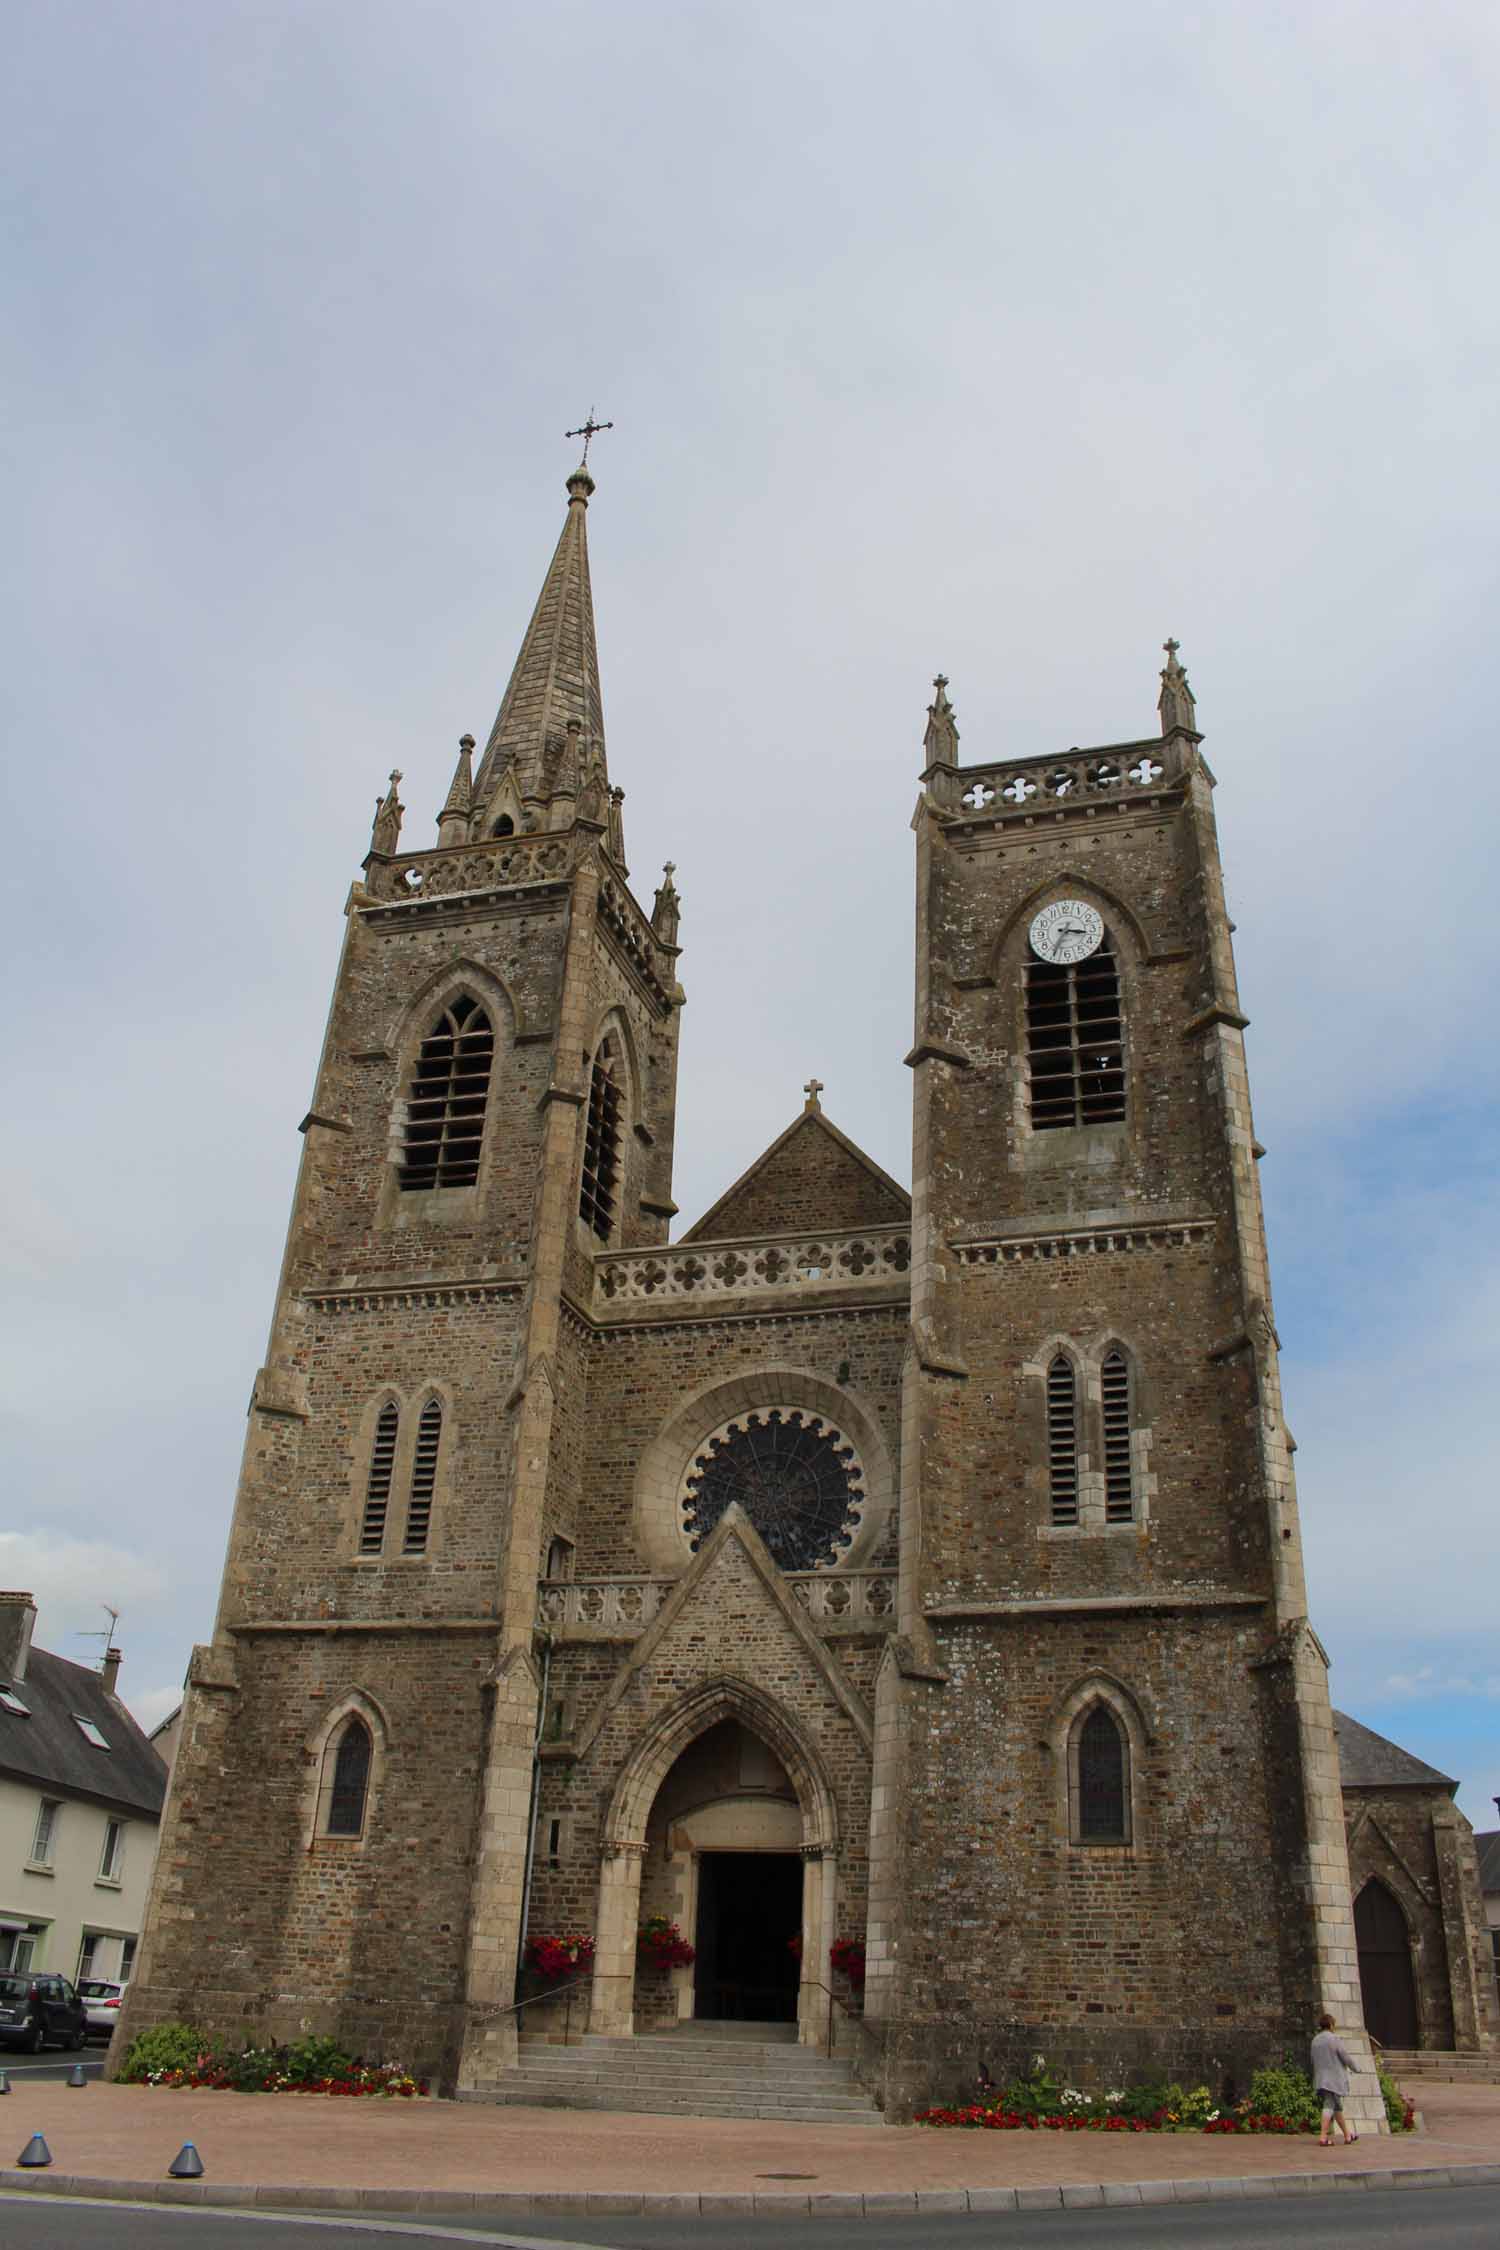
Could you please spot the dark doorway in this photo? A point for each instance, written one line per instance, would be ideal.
(749, 1912)
(1385, 1979)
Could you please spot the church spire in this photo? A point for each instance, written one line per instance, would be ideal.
(556, 676)
(453, 820)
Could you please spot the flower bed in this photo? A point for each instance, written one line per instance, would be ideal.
(1281, 2100)
(175, 2054)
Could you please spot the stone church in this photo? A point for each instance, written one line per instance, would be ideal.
(921, 1571)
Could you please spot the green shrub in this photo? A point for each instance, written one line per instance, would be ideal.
(1394, 2099)
(166, 2046)
(1284, 2090)
(1144, 2101)
(1035, 2093)
(307, 2060)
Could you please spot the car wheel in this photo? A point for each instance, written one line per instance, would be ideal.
(35, 2040)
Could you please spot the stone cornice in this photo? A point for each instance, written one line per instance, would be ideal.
(1103, 1605)
(1004, 1248)
(406, 1296)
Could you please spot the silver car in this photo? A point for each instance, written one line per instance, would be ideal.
(101, 2004)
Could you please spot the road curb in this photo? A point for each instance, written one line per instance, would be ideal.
(599, 2203)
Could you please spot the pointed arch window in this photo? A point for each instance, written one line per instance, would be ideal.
(1101, 1796)
(423, 1479)
(599, 1187)
(1115, 1390)
(350, 1785)
(1062, 1439)
(378, 1483)
(504, 826)
(1075, 1048)
(446, 1101)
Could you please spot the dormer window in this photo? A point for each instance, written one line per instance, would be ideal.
(10, 1701)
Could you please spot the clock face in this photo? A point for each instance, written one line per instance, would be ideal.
(1067, 930)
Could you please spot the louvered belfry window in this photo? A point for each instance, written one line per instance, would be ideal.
(445, 1103)
(599, 1187)
(423, 1479)
(1101, 1779)
(378, 1489)
(1119, 1479)
(1062, 1439)
(1075, 1041)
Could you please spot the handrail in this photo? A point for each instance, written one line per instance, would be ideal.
(834, 2001)
(570, 1986)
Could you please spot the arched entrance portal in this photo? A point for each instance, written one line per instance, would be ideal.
(723, 1823)
(1386, 1985)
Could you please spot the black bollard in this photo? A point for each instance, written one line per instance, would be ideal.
(187, 2164)
(35, 2152)
(76, 2077)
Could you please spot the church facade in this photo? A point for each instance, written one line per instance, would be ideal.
(915, 1573)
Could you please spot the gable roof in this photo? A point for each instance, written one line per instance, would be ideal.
(1487, 1845)
(50, 1749)
(1368, 1761)
(811, 1178)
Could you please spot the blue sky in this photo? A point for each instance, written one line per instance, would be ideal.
(988, 339)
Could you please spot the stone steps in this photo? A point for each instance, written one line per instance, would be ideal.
(689, 2073)
(1435, 2062)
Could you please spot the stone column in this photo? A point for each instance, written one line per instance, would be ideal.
(490, 2032)
(613, 2010)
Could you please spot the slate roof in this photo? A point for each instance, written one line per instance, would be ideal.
(50, 1749)
(1368, 1761)
(1487, 1844)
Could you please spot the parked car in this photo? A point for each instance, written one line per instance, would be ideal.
(101, 2004)
(37, 2011)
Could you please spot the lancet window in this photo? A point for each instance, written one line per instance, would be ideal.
(423, 1479)
(1075, 1040)
(599, 1186)
(446, 1101)
(350, 1786)
(1101, 1770)
(1062, 1439)
(378, 1483)
(1119, 1466)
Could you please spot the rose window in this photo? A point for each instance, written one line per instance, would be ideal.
(797, 1478)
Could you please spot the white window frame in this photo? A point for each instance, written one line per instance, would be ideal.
(112, 1858)
(44, 1839)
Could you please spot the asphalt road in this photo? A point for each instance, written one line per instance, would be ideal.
(1365, 2219)
(49, 2066)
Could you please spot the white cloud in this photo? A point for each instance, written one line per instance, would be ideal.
(73, 1580)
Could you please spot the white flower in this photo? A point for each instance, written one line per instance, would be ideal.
(1038, 2062)
(1213, 2113)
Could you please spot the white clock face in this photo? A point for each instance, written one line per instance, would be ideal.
(1068, 930)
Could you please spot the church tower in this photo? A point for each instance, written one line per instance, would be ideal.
(346, 1838)
(1108, 1825)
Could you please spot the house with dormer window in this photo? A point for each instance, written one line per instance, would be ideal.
(81, 1792)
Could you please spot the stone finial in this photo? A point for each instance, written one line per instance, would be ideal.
(812, 1089)
(458, 805)
(385, 835)
(666, 911)
(1175, 703)
(941, 739)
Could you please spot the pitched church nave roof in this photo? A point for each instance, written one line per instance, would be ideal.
(811, 1178)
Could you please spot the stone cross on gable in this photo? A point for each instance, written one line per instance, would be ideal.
(812, 1089)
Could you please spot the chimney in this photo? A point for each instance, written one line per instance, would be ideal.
(17, 1617)
(110, 1669)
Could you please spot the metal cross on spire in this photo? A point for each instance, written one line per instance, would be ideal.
(586, 430)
